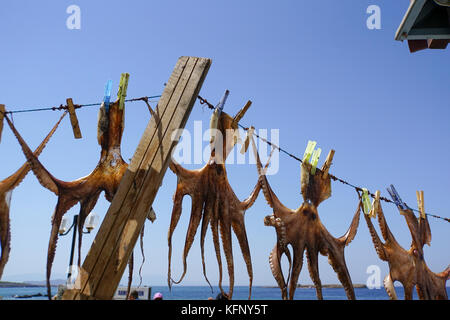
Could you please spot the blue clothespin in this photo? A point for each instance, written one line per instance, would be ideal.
(213, 123)
(222, 101)
(107, 97)
(396, 198)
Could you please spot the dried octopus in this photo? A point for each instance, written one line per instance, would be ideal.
(86, 191)
(408, 266)
(303, 230)
(6, 188)
(213, 203)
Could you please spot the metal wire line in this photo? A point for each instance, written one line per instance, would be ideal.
(358, 189)
(210, 106)
(76, 106)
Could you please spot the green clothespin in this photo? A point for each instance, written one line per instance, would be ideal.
(123, 87)
(309, 150)
(367, 206)
(315, 160)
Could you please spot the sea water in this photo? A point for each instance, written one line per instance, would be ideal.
(239, 293)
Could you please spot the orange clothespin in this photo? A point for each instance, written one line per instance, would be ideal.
(73, 119)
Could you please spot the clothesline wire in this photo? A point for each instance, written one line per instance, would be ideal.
(358, 189)
(76, 106)
(210, 106)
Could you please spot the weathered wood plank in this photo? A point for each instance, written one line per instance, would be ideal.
(103, 267)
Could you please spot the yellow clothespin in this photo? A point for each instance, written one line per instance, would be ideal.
(2, 115)
(375, 205)
(309, 150)
(73, 119)
(247, 140)
(366, 201)
(123, 87)
(420, 204)
(315, 160)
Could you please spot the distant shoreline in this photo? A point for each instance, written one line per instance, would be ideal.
(324, 286)
(7, 284)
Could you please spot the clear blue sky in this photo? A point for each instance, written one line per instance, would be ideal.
(311, 68)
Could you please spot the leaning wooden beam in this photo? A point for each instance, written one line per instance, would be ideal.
(106, 261)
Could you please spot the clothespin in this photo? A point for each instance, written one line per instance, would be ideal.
(327, 164)
(375, 205)
(242, 112)
(309, 150)
(396, 198)
(367, 207)
(2, 115)
(315, 160)
(123, 87)
(247, 140)
(107, 97)
(216, 114)
(73, 119)
(420, 204)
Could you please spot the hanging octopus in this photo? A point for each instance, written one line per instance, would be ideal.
(303, 230)
(213, 202)
(105, 177)
(6, 188)
(408, 266)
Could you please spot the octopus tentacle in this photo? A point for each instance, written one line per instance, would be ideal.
(352, 230)
(62, 207)
(207, 215)
(176, 214)
(215, 234)
(379, 245)
(239, 230)
(196, 215)
(225, 233)
(337, 261)
(180, 171)
(313, 267)
(275, 267)
(86, 207)
(15, 179)
(296, 269)
(270, 196)
(408, 288)
(44, 177)
(247, 203)
(385, 231)
(130, 273)
(141, 243)
(389, 287)
(5, 230)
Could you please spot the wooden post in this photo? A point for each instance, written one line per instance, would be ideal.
(106, 261)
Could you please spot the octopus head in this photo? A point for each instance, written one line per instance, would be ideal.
(309, 210)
